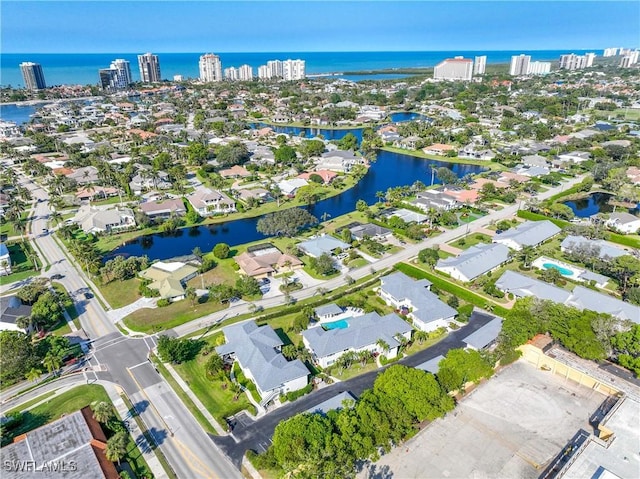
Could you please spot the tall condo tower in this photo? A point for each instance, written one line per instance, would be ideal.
(519, 65)
(149, 68)
(454, 69)
(33, 76)
(480, 65)
(117, 76)
(210, 68)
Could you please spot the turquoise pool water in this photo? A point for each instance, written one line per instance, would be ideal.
(341, 324)
(563, 271)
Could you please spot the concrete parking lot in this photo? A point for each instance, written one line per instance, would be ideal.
(512, 426)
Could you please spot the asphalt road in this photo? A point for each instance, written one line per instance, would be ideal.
(256, 435)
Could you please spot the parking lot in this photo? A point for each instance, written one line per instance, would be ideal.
(511, 426)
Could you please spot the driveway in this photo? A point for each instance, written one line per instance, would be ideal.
(117, 314)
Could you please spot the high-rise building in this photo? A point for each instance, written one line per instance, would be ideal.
(572, 61)
(630, 58)
(263, 72)
(293, 69)
(210, 68)
(480, 65)
(539, 68)
(117, 76)
(456, 68)
(149, 68)
(274, 69)
(245, 73)
(610, 52)
(231, 73)
(519, 65)
(33, 76)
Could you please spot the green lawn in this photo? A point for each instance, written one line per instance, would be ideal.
(357, 263)
(420, 154)
(218, 401)
(471, 240)
(6, 227)
(150, 320)
(120, 293)
(21, 265)
(26, 405)
(417, 347)
(356, 369)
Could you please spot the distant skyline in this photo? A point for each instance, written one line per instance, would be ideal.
(313, 26)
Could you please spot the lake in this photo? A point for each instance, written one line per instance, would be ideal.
(390, 169)
(590, 205)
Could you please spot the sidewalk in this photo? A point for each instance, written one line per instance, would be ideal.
(124, 413)
(195, 400)
(118, 314)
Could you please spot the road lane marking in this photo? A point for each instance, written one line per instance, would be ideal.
(139, 364)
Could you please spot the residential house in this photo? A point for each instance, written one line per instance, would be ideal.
(147, 180)
(211, 202)
(324, 244)
(74, 445)
(94, 220)
(529, 233)
(434, 199)
(438, 149)
(416, 301)
(169, 278)
(164, 209)
(257, 351)
(522, 286)
(485, 336)
(535, 160)
(624, 222)
(405, 215)
(633, 173)
(259, 194)
(585, 298)
(472, 152)
(326, 175)
(334, 403)
(474, 262)
(84, 175)
(410, 142)
(338, 160)
(432, 365)
(575, 156)
(265, 260)
(236, 171)
(11, 308)
(5, 260)
(94, 192)
(532, 171)
(604, 249)
(368, 230)
(290, 187)
(370, 332)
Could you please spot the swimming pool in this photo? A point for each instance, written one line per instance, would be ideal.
(563, 271)
(341, 324)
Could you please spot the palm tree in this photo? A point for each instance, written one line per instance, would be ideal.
(383, 345)
(24, 322)
(380, 195)
(116, 447)
(19, 226)
(525, 255)
(325, 216)
(102, 411)
(33, 375)
(52, 362)
(191, 295)
(56, 216)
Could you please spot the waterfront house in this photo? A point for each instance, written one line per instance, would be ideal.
(324, 244)
(415, 299)
(434, 199)
(164, 209)
(211, 202)
(147, 179)
(5, 260)
(405, 215)
(338, 160)
(290, 187)
(326, 175)
(438, 149)
(257, 351)
(474, 262)
(535, 160)
(368, 230)
(575, 157)
(236, 171)
(585, 298)
(370, 332)
(624, 223)
(169, 278)
(264, 260)
(529, 233)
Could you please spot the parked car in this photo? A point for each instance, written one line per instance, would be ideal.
(88, 295)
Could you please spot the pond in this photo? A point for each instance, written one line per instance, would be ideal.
(590, 205)
(390, 170)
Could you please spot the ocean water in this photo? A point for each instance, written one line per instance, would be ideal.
(73, 69)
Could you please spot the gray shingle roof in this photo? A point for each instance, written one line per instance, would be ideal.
(529, 233)
(477, 260)
(484, 336)
(427, 307)
(335, 402)
(605, 248)
(362, 331)
(522, 286)
(585, 298)
(432, 365)
(254, 347)
(328, 309)
(321, 245)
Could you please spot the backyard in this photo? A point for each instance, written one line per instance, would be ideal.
(22, 257)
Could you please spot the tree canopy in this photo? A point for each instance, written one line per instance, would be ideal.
(286, 222)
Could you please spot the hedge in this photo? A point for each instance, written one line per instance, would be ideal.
(528, 215)
(452, 288)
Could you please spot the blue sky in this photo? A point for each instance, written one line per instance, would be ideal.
(264, 26)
